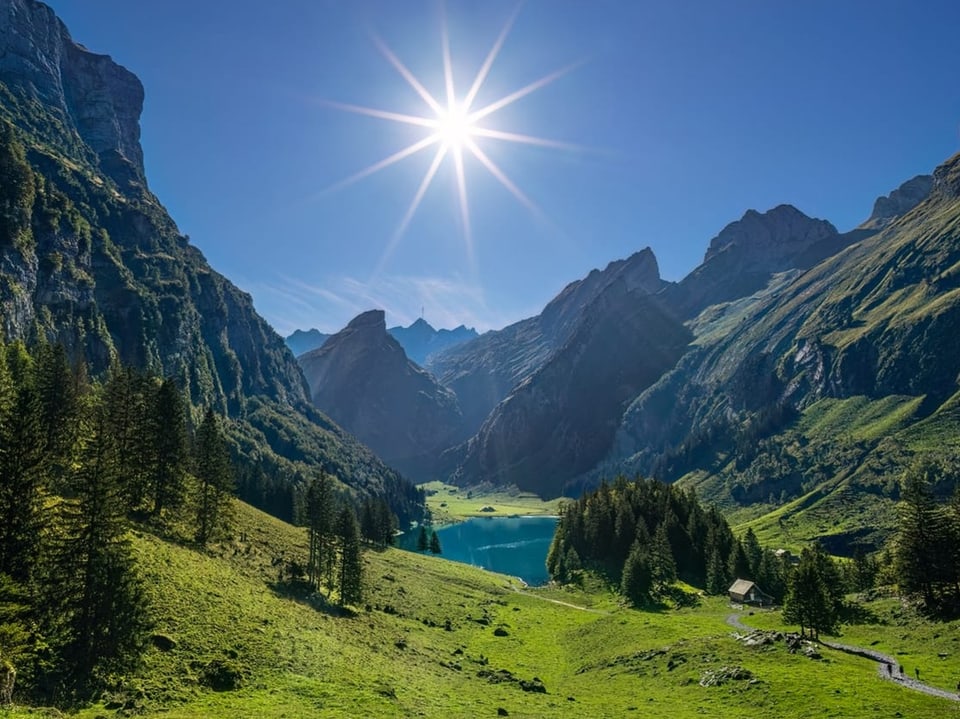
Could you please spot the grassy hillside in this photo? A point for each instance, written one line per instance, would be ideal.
(427, 646)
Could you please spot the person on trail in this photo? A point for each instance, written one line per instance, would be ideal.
(917, 672)
(889, 670)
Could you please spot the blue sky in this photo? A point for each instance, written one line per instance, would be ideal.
(685, 114)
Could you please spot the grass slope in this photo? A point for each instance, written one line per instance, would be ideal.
(427, 647)
(448, 503)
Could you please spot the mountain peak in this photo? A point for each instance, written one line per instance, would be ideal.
(763, 237)
(95, 100)
(946, 178)
(371, 319)
(899, 202)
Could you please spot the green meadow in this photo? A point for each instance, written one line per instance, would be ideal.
(435, 638)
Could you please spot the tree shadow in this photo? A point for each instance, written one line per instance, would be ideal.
(302, 592)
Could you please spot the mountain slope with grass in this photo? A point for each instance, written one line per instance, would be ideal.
(230, 640)
(798, 408)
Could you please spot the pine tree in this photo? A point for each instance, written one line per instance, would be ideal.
(636, 582)
(319, 509)
(168, 438)
(923, 538)
(811, 601)
(753, 553)
(435, 543)
(423, 541)
(662, 565)
(128, 398)
(21, 457)
(101, 600)
(717, 578)
(351, 557)
(214, 472)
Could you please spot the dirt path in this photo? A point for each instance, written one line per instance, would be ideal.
(888, 668)
(518, 590)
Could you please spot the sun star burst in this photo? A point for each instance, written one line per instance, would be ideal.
(454, 130)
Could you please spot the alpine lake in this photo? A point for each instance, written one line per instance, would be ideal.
(514, 545)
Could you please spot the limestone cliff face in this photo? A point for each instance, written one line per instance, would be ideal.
(362, 379)
(95, 100)
(90, 258)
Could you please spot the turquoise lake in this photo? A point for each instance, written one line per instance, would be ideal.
(510, 545)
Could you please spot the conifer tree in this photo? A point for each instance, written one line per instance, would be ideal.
(214, 472)
(923, 540)
(21, 456)
(128, 400)
(351, 557)
(435, 543)
(637, 580)
(813, 599)
(101, 601)
(663, 568)
(320, 519)
(168, 437)
(423, 541)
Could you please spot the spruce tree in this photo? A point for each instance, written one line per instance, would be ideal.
(168, 438)
(128, 400)
(351, 557)
(636, 583)
(21, 457)
(923, 538)
(101, 601)
(435, 543)
(214, 472)
(812, 599)
(663, 568)
(320, 530)
(423, 541)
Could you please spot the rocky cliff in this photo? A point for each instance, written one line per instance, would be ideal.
(362, 378)
(90, 258)
(899, 202)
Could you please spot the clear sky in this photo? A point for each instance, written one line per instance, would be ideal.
(683, 114)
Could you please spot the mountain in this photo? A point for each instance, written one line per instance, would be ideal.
(899, 202)
(483, 371)
(801, 405)
(302, 341)
(362, 378)
(90, 258)
(420, 341)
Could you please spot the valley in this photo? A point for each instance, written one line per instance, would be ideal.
(295, 656)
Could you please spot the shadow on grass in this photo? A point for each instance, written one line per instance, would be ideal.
(303, 592)
(856, 613)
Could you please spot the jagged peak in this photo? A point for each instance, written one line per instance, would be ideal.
(946, 178)
(899, 202)
(780, 226)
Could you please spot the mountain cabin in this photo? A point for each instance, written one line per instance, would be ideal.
(743, 591)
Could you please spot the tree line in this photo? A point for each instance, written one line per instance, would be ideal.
(644, 534)
(80, 460)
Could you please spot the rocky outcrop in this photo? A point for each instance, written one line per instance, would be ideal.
(96, 102)
(363, 380)
(899, 202)
(91, 259)
(743, 257)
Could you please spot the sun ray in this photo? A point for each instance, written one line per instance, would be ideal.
(386, 162)
(383, 114)
(447, 62)
(525, 139)
(455, 129)
(502, 177)
(464, 207)
(491, 56)
(412, 209)
(522, 92)
(407, 75)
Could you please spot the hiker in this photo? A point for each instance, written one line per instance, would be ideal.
(917, 672)
(889, 670)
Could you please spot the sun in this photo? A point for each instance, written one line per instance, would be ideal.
(454, 127)
(454, 130)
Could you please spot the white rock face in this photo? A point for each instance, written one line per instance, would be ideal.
(98, 101)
